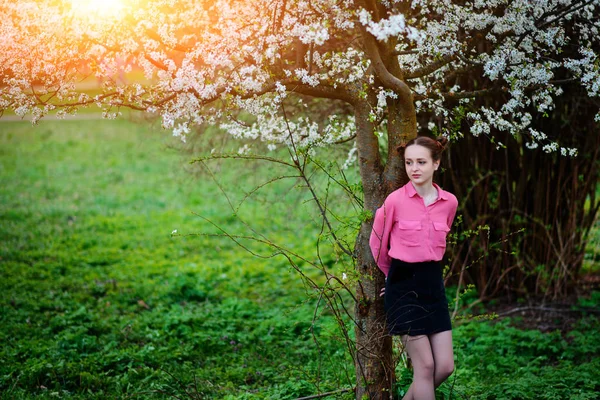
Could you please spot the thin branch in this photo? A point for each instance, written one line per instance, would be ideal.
(243, 157)
(469, 61)
(258, 234)
(493, 90)
(564, 13)
(404, 52)
(547, 309)
(346, 140)
(179, 382)
(318, 396)
(341, 184)
(428, 69)
(219, 186)
(263, 239)
(178, 47)
(561, 13)
(280, 250)
(311, 189)
(257, 188)
(156, 63)
(323, 91)
(464, 95)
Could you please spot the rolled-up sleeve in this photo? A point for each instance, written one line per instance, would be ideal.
(380, 237)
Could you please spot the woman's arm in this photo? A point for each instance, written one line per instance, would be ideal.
(380, 236)
(452, 212)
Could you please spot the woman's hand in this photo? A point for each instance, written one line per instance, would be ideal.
(382, 293)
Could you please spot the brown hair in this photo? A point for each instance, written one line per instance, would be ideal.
(435, 146)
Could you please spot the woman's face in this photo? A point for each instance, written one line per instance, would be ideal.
(419, 164)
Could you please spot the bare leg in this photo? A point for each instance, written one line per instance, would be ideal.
(443, 356)
(421, 356)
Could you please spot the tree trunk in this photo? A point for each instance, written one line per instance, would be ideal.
(373, 360)
(375, 375)
(374, 365)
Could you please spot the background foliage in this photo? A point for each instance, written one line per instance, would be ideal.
(98, 300)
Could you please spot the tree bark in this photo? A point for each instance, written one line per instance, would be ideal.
(375, 374)
(374, 364)
(373, 361)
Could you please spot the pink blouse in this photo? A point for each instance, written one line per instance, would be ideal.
(406, 230)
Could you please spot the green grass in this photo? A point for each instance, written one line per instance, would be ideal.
(98, 300)
(96, 294)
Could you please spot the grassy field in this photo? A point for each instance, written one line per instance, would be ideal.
(100, 300)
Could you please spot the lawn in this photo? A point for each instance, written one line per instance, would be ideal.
(101, 298)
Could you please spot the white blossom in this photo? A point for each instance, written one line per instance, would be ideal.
(245, 149)
(351, 159)
(236, 63)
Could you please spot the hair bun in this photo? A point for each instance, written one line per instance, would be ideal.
(435, 146)
(443, 141)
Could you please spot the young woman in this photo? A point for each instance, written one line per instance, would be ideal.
(408, 242)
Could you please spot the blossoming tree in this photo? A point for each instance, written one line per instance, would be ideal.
(388, 61)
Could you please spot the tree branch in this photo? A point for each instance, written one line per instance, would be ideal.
(323, 91)
(562, 13)
(465, 95)
(178, 47)
(156, 63)
(388, 80)
(403, 52)
(428, 69)
(309, 185)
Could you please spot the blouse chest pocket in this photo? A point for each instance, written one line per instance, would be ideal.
(409, 232)
(440, 230)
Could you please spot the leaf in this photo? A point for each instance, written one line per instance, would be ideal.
(143, 304)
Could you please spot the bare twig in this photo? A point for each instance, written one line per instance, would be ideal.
(312, 191)
(318, 396)
(548, 309)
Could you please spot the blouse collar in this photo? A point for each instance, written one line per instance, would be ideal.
(411, 191)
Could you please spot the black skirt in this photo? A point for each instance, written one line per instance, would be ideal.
(415, 299)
